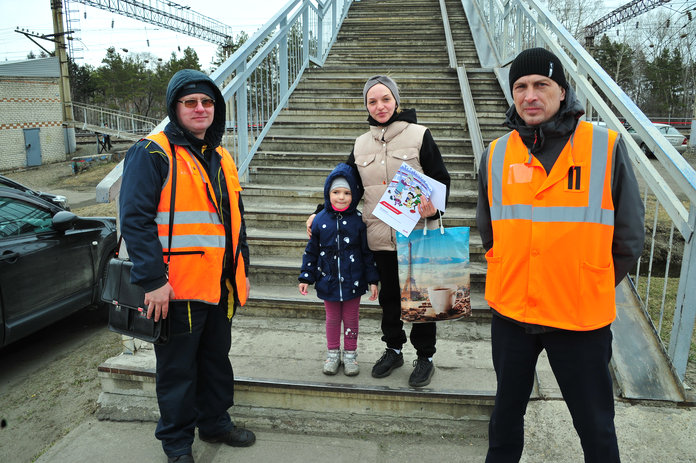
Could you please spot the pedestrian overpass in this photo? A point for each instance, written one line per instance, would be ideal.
(294, 103)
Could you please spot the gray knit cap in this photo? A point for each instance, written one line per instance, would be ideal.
(339, 182)
(387, 82)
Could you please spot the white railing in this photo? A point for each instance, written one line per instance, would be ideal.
(514, 25)
(112, 121)
(258, 79)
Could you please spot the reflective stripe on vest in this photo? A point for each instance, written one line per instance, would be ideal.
(551, 262)
(593, 212)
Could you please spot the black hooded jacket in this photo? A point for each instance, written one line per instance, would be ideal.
(545, 142)
(146, 169)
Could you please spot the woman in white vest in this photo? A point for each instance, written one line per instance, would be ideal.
(394, 137)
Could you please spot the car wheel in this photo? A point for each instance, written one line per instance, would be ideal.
(646, 150)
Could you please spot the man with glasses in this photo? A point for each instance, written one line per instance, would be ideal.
(200, 278)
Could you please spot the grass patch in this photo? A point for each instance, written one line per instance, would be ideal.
(654, 308)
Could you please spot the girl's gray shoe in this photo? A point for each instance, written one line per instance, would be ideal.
(332, 362)
(350, 363)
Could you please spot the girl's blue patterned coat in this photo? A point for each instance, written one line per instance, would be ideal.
(337, 260)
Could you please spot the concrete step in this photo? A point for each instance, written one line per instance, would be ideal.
(458, 162)
(256, 195)
(275, 243)
(355, 128)
(283, 271)
(299, 143)
(308, 177)
(293, 217)
(278, 362)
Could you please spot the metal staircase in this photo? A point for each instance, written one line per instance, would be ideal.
(278, 338)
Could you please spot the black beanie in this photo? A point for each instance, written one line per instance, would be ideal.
(537, 61)
(196, 87)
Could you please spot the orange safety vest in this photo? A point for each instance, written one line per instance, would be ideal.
(198, 235)
(551, 262)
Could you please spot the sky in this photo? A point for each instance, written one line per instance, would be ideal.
(96, 32)
(99, 30)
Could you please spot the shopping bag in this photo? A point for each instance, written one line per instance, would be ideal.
(434, 274)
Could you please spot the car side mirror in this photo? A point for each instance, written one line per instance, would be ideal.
(64, 220)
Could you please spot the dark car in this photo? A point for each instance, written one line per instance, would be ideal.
(51, 261)
(59, 200)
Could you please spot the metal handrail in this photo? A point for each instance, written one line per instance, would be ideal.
(258, 79)
(465, 90)
(112, 121)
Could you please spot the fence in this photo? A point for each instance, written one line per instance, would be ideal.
(112, 121)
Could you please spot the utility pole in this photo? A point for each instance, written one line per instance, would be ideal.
(61, 53)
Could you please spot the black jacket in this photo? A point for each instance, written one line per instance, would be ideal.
(144, 173)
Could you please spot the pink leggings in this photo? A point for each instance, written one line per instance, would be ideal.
(346, 312)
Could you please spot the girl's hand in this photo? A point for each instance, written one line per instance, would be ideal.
(373, 292)
(426, 208)
(303, 288)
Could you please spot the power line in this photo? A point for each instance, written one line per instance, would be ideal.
(619, 15)
(169, 15)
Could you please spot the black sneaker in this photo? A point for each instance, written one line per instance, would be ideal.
(422, 372)
(389, 361)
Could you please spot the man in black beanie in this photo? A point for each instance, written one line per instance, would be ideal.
(561, 219)
(197, 280)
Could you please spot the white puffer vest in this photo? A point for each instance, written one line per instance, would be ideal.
(378, 155)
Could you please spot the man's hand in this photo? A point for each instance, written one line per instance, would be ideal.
(309, 224)
(248, 285)
(157, 301)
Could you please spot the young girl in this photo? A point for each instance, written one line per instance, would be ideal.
(339, 263)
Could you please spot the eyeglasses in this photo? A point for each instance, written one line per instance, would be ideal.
(207, 103)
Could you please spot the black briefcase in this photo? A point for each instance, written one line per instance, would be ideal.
(127, 311)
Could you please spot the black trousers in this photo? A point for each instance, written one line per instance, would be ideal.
(580, 363)
(422, 334)
(194, 377)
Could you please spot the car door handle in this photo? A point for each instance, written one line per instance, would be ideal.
(9, 256)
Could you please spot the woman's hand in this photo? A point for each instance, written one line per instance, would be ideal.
(309, 225)
(426, 208)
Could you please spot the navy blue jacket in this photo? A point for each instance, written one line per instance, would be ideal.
(337, 260)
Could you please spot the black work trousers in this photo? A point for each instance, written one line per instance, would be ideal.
(194, 377)
(580, 363)
(422, 334)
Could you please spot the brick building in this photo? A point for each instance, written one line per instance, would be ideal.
(31, 125)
